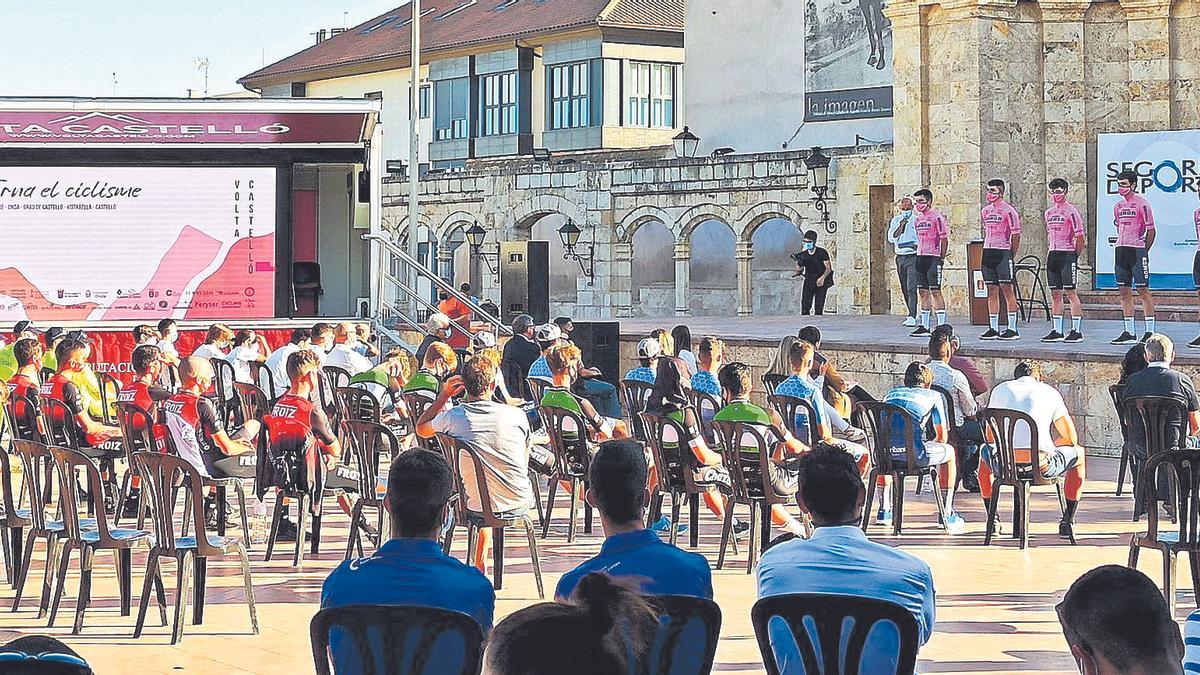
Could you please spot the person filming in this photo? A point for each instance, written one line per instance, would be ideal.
(814, 264)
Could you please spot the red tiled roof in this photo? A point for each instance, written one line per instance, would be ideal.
(475, 22)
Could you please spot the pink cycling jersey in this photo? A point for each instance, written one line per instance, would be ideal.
(931, 230)
(1000, 223)
(1134, 219)
(1063, 226)
(1196, 217)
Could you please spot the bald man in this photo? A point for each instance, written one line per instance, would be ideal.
(197, 430)
(344, 353)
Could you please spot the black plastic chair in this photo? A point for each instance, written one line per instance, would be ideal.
(771, 382)
(751, 478)
(790, 407)
(453, 450)
(634, 395)
(264, 378)
(951, 431)
(338, 377)
(360, 404)
(877, 419)
(829, 613)
(706, 406)
(160, 473)
(1183, 469)
(1117, 392)
(137, 435)
(109, 387)
(255, 402)
(13, 521)
(572, 456)
(1153, 415)
(676, 474)
(1021, 475)
(223, 380)
(378, 637)
(306, 492)
(688, 633)
(367, 441)
(417, 403)
(1029, 269)
(222, 484)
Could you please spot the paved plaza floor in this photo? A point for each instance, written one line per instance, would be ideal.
(995, 605)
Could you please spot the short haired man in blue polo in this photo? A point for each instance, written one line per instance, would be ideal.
(839, 560)
(618, 492)
(410, 568)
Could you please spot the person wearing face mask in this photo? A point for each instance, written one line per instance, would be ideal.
(903, 237)
(321, 340)
(216, 341)
(92, 434)
(248, 347)
(813, 263)
(168, 334)
(343, 354)
(1064, 230)
(440, 361)
(1001, 239)
(933, 236)
(1134, 220)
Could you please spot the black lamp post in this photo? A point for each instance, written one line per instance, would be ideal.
(569, 233)
(818, 173)
(685, 144)
(475, 236)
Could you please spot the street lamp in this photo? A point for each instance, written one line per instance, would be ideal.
(818, 173)
(475, 236)
(569, 234)
(685, 144)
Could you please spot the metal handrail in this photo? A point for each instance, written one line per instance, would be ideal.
(424, 303)
(501, 327)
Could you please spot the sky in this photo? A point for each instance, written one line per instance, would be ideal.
(72, 48)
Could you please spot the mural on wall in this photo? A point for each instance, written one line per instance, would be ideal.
(847, 60)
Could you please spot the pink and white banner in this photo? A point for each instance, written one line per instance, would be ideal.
(179, 127)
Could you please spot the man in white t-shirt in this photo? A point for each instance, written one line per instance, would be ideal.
(343, 354)
(1058, 443)
(277, 361)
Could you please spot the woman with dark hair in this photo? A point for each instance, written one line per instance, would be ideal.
(1134, 362)
(604, 626)
(682, 335)
(669, 399)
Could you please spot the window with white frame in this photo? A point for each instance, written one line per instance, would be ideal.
(451, 109)
(498, 104)
(650, 95)
(570, 95)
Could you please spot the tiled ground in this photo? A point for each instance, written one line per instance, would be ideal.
(995, 606)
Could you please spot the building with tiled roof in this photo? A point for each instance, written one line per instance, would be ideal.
(502, 77)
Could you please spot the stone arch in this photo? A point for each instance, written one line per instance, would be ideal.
(698, 214)
(760, 213)
(453, 221)
(640, 216)
(454, 259)
(531, 211)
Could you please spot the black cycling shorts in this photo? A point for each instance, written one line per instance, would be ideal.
(997, 266)
(929, 272)
(1061, 268)
(1132, 267)
(1196, 270)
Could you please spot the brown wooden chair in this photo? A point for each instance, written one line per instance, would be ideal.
(1019, 474)
(453, 450)
(69, 464)
(634, 395)
(771, 381)
(750, 474)
(676, 474)
(367, 442)
(1182, 468)
(1116, 392)
(160, 473)
(881, 422)
(1154, 415)
(573, 458)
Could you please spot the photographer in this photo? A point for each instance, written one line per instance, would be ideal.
(813, 263)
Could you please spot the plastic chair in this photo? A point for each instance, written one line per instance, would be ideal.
(1029, 267)
(223, 380)
(360, 404)
(137, 435)
(706, 406)
(751, 486)
(688, 633)
(453, 450)
(1116, 392)
(1183, 468)
(877, 419)
(338, 377)
(160, 473)
(254, 401)
(417, 404)
(24, 418)
(634, 395)
(789, 408)
(771, 382)
(103, 538)
(1008, 469)
(1153, 415)
(330, 379)
(676, 474)
(222, 484)
(264, 378)
(306, 490)
(951, 431)
(109, 387)
(572, 462)
(13, 520)
(398, 639)
(367, 440)
(536, 387)
(829, 613)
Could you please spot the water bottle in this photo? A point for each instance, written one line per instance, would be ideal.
(258, 524)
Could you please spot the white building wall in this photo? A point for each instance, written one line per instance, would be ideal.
(395, 87)
(744, 80)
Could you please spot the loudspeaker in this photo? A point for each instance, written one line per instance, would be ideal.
(525, 279)
(600, 343)
(364, 187)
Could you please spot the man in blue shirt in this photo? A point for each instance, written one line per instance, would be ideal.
(618, 492)
(801, 385)
(648, 351)
(902, 234)
(839, 560)
(410, 568)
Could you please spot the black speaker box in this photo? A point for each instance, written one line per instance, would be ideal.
(600, 343)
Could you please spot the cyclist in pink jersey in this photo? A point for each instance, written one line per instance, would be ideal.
(1134, 220)
(1195, 344)
(1064, 230)
(1001, 239)
(932, 239)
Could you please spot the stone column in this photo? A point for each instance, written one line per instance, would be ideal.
(445, 262)
(1149, 25)
(743, 252)
(683, 278)
(908, 95)
(622, 278)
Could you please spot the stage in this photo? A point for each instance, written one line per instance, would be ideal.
(874, 350)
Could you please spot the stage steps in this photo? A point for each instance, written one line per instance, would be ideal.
(1169, 305)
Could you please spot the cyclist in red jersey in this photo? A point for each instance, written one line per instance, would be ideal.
(300, 431)
(94, 436)
(146, 393)
(23, 388)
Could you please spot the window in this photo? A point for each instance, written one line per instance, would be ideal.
(570, 99)
(423, 101)
(299, 89)
(498, 104)
(451, 103)
(650, 95)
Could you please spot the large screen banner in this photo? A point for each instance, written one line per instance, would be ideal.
(114, 243)
(1168, 168)
(847, 60)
